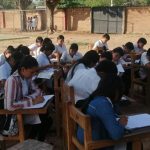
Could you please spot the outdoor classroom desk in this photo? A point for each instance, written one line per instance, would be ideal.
(20, 137)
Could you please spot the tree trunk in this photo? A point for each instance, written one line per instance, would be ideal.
(51, 10)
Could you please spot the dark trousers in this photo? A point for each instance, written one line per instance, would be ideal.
(40, 131)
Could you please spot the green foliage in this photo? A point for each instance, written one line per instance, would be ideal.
(8, 4)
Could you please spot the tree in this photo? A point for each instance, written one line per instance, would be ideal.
(22, 5)
(51, 5)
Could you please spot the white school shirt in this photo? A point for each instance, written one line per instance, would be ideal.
(66, 58)
(77, 68)
(42, 59)
(2, 59)
(5, 71)
(144, 61)
(35, 50)
(100, 44)
(60, 49)
(85, 83)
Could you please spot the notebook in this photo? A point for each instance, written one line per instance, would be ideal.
(138, 121)
(41, 105)
(46, 74)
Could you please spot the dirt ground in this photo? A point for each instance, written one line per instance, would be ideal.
(83, 39)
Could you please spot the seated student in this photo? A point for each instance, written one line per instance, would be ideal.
(47, 40)
(86, 81)
(101, 45)
(20, 91)
(145, 61)
(35, 48)
(117, 53)
(7, 53)
(43, 58)
(127, 49)
(106, 56)
(72, 56)
(23, 50)
(89, 60)
(100, 107)
(139, 46)
(59, 47)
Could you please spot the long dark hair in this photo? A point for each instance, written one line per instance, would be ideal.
(90, 58)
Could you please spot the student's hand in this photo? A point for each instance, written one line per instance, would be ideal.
(123, 120)
(37, 100)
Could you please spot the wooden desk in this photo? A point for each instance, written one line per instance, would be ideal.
(19, 113)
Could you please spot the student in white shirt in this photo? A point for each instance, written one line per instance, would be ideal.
(106, 56)
(7, 53)
(72, 56)
(23, 50)
(117, 53)
(86, 81)
(35, 48)
(43, 58)
(89, 60)
(59, 47)
(145, 61)
(101, 45)
(139, 46)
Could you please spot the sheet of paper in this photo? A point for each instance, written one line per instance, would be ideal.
(138, 121)
(41, 105)
(120, 68)
(46, 74)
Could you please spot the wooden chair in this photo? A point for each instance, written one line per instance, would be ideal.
(58, 75)
(67, 94)
(76, 117)
(136, 80)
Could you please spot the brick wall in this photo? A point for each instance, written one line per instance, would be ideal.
(79, 19)
(138, 20)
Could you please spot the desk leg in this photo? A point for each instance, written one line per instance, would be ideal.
(136, 145)
(20, 127)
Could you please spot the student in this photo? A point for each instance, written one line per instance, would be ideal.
(43, 58)
(23, 50)
(100, 107)
(89, 60)
(106, 56)
(145, 62)
(47, 40)
(86, 81)
(101, 45)
(21, 92)
(139, 46)
(72, 56)
(127, 49)
(59, 47)
(7, 53)
(117, 53)
(35, 48)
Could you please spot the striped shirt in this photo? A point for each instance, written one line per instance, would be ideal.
(15, 97)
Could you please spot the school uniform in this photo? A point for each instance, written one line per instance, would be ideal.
(2, 59)
(43, 60)
(60, 49)
(100, 44)
(5, 71)
(73, 70)
(103, 121)
(144, 61)
(85, 83)
(67, 58)
(35, 50)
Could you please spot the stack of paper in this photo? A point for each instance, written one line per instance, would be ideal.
(41, 105)
(138, 121)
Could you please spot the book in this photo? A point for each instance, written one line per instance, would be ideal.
(46, 74)
(41, 105)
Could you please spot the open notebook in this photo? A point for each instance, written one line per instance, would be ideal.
(41, 105)
(46, 74)
(138, 121)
